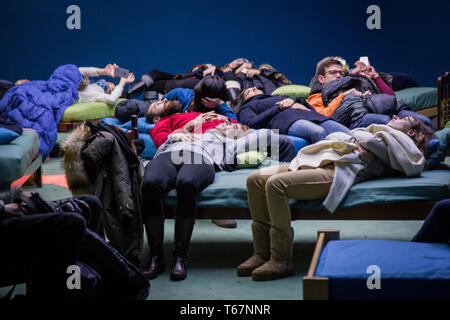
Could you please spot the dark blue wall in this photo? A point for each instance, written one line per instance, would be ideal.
(175, 35)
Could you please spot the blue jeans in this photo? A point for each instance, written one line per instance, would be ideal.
(314, 132)
(370, 118)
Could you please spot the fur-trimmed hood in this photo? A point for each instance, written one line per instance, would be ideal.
(76, 175)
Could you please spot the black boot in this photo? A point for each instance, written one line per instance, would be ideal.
(183, 233)
(154, 226)
(150, 96)
(144, 83)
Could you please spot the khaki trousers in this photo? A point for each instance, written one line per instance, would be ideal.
(269, 190)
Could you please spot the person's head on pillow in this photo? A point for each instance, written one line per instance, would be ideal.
(209, 93)
(160, 109)
(329, 69)
(231, 130)
(233, 65)
(415, 129)
(244, 96)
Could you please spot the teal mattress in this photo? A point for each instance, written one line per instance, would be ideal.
(229, 190)
(418, 98)
(16, 156)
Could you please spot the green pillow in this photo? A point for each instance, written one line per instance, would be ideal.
(89, 111)
(442, 149)
(250, 159)
(293, 90)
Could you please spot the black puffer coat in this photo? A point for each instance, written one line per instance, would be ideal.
(335, 87)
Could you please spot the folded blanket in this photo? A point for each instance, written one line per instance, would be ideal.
(40, 104)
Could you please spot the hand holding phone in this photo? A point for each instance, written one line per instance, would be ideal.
(364, 60)
(121, 73)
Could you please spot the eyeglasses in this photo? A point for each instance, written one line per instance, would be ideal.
(336, 72)
(413, 125)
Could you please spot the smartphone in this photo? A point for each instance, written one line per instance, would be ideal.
(364, 60)
(121, 73)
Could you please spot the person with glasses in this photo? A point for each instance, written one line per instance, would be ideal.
(346, 106)
(326, 169)
(330, 69)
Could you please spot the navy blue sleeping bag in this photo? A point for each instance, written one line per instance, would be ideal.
(40, 104)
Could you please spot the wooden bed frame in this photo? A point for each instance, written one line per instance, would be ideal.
(443, 100)
(318, 288)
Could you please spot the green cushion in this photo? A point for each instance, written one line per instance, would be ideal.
(229, 190)
(292, 90)
(250, 159)
(89, 111)
(418, 98)
(443, 148)
(16, 156)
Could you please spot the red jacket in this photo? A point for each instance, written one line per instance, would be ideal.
(170, 124)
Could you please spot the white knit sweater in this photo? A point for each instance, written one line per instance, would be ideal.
(93, 92)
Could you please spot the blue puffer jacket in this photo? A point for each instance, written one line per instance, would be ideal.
(40, 104)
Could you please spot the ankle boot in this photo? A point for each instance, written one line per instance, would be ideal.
(154, 227)
(280, 264)
(183, 233)
(261, 249)
(144, 83)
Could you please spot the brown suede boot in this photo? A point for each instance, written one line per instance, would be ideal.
(261, 249)
(280, 264)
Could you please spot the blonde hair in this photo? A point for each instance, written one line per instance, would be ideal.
(84, 83)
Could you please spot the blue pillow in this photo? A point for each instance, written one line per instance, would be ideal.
(432, 146)
(6, 135)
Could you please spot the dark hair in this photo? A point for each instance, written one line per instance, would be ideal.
(423, 136)
(173, 107)
(210, 86)
(325, 63)
(238, 102)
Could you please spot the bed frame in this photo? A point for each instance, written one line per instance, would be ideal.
(318, 288)
(443, 100)
(389, 211)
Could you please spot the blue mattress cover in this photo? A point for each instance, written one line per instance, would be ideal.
(408, 270)
(418, 98)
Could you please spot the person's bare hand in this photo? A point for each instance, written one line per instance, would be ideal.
(364, 154)
(109, 70)
(130, 78)
(360, 68)
(210, 71)
(252, 72)
(353, 91)
(372, 73)
(285, 103)
(212, 116)
(299, 106)
(368, 92)
(211, 103)
(19, 82)
(186, 137)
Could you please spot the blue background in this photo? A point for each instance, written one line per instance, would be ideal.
(176, 35)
